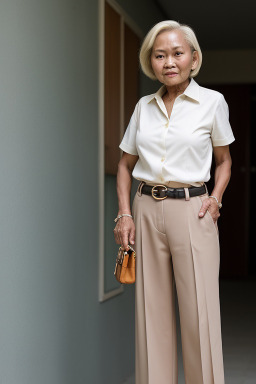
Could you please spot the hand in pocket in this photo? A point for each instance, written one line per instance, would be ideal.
(210, 205)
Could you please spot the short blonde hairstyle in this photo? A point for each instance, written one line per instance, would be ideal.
(167, 25)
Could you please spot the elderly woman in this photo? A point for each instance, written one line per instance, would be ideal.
(168, 146)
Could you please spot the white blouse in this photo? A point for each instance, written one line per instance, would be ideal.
(180, 148)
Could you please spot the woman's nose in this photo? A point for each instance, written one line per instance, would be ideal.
(169, 62)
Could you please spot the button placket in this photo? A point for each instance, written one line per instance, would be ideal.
(164, 148)
(161, 105)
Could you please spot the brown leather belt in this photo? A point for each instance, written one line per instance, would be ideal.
(160, 192)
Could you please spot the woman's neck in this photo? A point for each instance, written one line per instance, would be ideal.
(176, 90)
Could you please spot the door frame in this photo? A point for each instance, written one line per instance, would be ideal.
(103, 296)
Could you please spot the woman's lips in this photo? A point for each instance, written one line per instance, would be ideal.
(171, 74)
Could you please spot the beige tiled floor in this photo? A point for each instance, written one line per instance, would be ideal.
(238, 319)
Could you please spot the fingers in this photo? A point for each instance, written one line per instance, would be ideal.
(214, 211)
(212, 207)
(118, 239)
(118, 236)
(203, 209)
(124, 233)
(215, 215)
(132, 236)
(124, 237)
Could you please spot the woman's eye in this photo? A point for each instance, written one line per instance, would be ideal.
(178, 53)
(159, 56)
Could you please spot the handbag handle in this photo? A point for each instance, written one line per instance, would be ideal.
(120, 249)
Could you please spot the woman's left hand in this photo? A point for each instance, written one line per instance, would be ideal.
(211, 205)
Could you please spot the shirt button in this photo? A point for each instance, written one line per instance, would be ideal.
(163, 159)
(166, 125)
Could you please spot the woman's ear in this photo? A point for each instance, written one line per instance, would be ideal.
(195, 60)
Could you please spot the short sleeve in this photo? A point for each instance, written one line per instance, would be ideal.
(128, 143)
(222, 133)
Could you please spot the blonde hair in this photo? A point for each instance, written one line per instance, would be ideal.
(167, 25)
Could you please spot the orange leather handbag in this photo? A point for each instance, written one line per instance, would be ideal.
(125, 266)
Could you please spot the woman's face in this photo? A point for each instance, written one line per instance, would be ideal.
(172, 59)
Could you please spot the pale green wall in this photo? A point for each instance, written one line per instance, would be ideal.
(111, 203)
(53, 330)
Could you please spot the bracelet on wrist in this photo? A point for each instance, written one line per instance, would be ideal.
(219, 204)
(119, 217)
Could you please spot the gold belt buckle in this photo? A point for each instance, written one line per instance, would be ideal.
(154, 189)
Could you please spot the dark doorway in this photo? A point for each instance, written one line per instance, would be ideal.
(237, 221)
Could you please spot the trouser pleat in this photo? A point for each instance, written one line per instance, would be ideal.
(141, 351)
(156, 347)
(205, 347)
(206, 268)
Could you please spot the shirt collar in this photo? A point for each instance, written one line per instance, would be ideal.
(192, 91)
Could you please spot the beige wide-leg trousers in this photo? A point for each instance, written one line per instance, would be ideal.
(176, 247)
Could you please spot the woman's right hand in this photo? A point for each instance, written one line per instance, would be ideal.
(124, 232)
